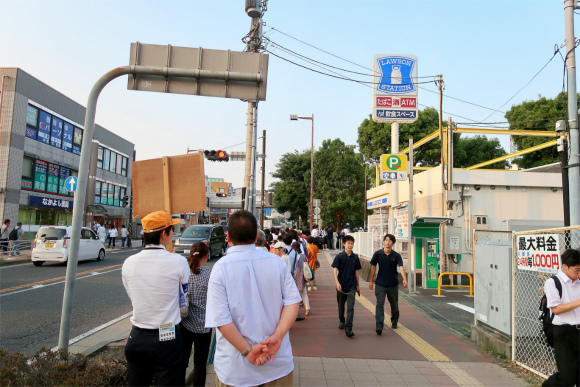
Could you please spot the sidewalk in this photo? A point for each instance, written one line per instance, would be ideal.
(421, 352)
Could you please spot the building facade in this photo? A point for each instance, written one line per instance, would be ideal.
(41, 136)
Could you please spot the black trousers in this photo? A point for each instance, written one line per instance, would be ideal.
(201, 343)
(566, 344)
(4, 244)
(347, 298)
(148, 357)
(112, 239)
(392, 294)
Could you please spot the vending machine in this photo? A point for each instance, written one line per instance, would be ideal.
(432, 260)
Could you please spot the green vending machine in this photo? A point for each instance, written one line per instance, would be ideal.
(432, 263)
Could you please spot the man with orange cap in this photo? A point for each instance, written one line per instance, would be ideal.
(152, 279)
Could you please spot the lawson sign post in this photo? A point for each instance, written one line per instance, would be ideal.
(395, 89)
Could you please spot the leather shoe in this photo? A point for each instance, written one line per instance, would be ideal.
(349, 332)
(379, 332)
(300, 318)
(341, 325)
(394, 326)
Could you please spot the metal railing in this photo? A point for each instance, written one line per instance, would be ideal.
(439, 285)
(11, 248)
(363, 243)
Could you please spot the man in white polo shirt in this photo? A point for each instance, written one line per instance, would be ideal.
(152, 279)
(253, 301)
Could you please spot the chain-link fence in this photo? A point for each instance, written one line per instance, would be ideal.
(536, 257)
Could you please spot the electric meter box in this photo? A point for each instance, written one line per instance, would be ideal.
(453, 240)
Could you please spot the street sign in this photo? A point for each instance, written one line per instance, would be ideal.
(393, 167)
(316, 211)
(395, 89)
(316, 202)
(70, 183)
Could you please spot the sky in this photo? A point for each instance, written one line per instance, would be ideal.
(486, 50)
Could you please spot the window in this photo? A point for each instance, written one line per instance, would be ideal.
(32, 122)
(119, 163)
(111, 195)
(106, 159)
(52, 181)
(26, 182)
(122, 195)
(104, 191)
(116, 196)
(100, 158)
(124, 166)
(77, 141)
(64, 174)
(113, 161)
(97, 192)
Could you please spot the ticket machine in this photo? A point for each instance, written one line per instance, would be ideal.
(432, 260)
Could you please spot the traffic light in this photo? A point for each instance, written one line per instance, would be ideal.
(218, 155)
(125, 200)
(221, 195)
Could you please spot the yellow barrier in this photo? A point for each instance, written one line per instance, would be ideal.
(470, 286)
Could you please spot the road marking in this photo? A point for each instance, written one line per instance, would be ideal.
(95, 330)
(463, 307)
(459, 376)
(46, 281)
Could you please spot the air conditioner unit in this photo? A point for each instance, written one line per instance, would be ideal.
(479, 222)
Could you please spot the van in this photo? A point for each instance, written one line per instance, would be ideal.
(51, 244)
(211, 234)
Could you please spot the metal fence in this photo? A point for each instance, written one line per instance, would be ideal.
(363, 244)
(10, 248)
(536, 257)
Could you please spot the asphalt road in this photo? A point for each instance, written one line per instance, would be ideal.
(31, 300)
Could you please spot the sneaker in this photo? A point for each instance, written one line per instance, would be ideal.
(341, 325)
(349, 332)
(309, 288)
(315, 288)
(300, 318)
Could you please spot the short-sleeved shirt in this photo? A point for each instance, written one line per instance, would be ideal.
(123, 232)
(19, 232)
(152, 279)
(388, 276)
(347, 273)
(250, 288)
(312, 255)
(570, 292)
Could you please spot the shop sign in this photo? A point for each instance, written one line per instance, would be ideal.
(49, 202)
(40, 175)
(52, 184)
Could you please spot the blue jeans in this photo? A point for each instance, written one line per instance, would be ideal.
(123, 239)
(15, 248)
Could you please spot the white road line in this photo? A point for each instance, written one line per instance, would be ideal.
(56, 283)
(463, 307)
(95, 330)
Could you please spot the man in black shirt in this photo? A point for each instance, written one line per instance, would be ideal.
(387, 281)
(346, 267)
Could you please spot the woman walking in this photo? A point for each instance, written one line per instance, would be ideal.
(193, 328)
(112, 235)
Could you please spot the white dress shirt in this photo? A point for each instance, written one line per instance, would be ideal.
(570, 292)
(152, 279)
(249, 287)
(314, 233)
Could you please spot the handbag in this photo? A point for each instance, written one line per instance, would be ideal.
(317, 264)
(307, 271)
(183, 300)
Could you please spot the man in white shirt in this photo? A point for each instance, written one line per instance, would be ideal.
(566, 310)
(152, 279)
(252, 301)
(4, 236)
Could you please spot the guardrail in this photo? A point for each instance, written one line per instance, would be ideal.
(470, 286)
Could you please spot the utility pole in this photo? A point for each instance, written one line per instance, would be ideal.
(574, 168)
(263, 178)
(443, 139)
(394, 184)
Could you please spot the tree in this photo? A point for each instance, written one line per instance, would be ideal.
(470, 151)
(537, 115)
(292, 192)
(339, 183)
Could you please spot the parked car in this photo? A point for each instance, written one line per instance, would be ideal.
(51, 244)
(211, 234)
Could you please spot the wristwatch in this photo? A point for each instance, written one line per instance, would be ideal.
(248, 350)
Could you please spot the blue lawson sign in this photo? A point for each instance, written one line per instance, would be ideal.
(396, 75)
(376, 203)
(48, 202)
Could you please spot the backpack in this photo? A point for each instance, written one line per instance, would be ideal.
(13, 236)
(547, 317)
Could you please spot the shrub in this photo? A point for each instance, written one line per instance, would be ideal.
(47, 368)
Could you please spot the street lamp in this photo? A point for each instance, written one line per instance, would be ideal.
(295, 117)
(365, 202)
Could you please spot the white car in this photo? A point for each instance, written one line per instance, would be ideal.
(51, 244)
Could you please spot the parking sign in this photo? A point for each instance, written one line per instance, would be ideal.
(393, 167)
(395, 89)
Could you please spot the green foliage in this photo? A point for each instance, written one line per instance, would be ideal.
(339, 183)
(548, 111)
(470, 151)
(292, 191)
(47, 368)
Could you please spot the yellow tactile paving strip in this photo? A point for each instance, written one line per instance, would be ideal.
(431, 353)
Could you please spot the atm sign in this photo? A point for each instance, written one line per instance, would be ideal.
(397, 102)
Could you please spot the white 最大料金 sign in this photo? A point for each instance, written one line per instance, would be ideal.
(395, 92)
(538, 252)
(401, 226)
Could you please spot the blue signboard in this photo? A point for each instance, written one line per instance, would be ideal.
(64, 174)
(31, 132)
(44, 127)
(56, 132)
(49, 202)
(377, 203)
(67, 137)
(396, 75)
(267, 212)
(404, 114)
